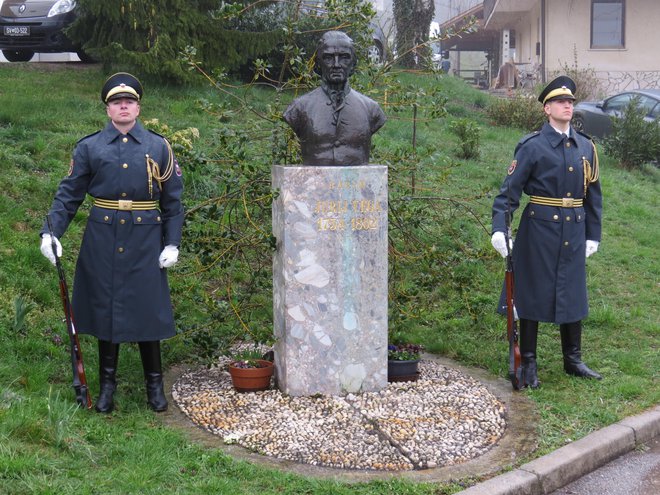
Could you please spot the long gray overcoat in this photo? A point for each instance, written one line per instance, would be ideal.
(549, 248)
(120, 294)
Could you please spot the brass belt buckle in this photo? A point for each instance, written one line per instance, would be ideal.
(125, 204)
(567, 202)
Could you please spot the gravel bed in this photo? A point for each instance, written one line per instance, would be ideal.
(443, 418)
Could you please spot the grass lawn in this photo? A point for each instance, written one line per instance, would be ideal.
(444, 282)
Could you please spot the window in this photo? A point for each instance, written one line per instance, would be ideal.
(646, 104)
(655, 113)
(618, 103)
(607, 23)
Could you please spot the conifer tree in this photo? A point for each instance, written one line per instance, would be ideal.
(150, 35)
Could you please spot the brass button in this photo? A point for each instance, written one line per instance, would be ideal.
(123, 195)
(106, 218)
(121, 250)
(555, 217)
(570, 169)
(139, 219)
(568, 219)
(565, 243)
(125, 140)
(579, 217)
(122, 221)
(568, 145)
(568, 195)
(531, 212)
(158, 219)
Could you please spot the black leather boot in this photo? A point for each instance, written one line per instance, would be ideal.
(571, 347)
(528, 334)
(153, 375)
(108, 356)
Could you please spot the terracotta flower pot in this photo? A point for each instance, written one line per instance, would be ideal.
(252, 379)
(402, 371)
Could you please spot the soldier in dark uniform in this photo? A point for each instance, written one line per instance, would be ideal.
(133, 231)
(334, 122)
(557, 167)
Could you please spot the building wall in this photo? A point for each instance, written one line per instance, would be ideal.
(50, 57)
(527, 35)
(447, 9)
(637, 65)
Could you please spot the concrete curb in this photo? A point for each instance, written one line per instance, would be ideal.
(568, 463)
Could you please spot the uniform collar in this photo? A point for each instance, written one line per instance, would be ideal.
(554, 137)
(567, 133)
(110, 133)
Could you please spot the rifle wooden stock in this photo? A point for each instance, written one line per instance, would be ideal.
(515, 370)
(512, 331)
(79, 379)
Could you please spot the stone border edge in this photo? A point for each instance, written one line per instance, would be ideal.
(519, 439)
(568, 463)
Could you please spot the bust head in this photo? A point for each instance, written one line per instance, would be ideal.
(335, 58)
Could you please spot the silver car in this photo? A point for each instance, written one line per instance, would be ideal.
(595, 117)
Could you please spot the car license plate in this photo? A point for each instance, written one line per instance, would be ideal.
(17, 30)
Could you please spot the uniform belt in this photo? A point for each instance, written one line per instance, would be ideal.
(125, 205)
(561, 202)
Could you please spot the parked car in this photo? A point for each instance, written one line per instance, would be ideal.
(30, 26)
(377, 50)
(595, 117)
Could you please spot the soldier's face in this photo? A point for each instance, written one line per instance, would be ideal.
(123, 111)
(559, 110)
(336, 62)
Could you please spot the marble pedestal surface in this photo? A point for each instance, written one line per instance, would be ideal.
(330, 279)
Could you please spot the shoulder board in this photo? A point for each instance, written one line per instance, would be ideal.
(88, 136)
(528, 137)
(584, 135)
(159, 135)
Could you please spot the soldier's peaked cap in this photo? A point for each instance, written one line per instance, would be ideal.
(561, 88)
(121, 85)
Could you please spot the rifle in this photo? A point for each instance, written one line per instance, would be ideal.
(515, 370)
(79, 380)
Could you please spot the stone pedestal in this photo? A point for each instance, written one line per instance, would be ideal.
(330, 279)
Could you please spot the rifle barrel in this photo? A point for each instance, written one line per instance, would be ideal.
(78, 368)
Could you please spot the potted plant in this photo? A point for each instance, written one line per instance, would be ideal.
(250, 372)
(402, 362)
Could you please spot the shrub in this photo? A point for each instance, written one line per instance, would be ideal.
(588, 86)
(469, 134)
(521, 111)
(633, 141)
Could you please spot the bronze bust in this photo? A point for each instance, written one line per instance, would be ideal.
(334, 122)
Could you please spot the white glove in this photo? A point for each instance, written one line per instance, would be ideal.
(592, 247)
(169, 256)
(499, 243)
(47, 248)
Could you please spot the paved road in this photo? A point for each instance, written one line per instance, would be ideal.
(636, 473)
